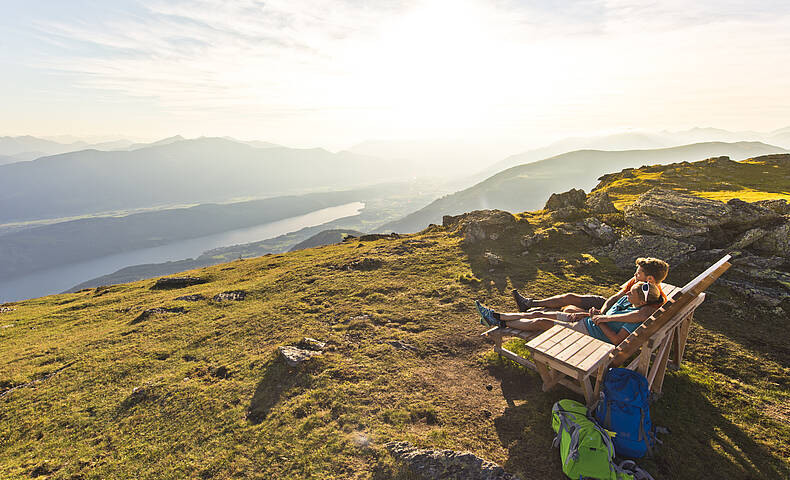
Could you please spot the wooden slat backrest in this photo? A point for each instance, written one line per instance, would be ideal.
(675, 305)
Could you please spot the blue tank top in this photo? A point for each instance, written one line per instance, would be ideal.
(619, 308)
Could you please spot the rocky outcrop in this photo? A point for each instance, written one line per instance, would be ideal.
(683, 216)
(624, 251)
(599, 202)
(775, 241)
(177, 282)
(480, 225)
(574, 198)
(146, 314)
(445, 464)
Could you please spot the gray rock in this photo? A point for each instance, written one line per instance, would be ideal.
(626, 250)
(598, 230)
(574, 198)
(191, 298)
(776, 241)
(445, 464)
(232, 296)
(493, 259)
(674, 214)
(780, 206)
(479, 225)
(146, 314)
(295, 356)
(177, 282)
(600, 202)
(6, 309)
(401, 345)
(679, 215)
(747, 238)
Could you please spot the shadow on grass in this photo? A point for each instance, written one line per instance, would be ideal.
(277, 379)
(702, 441)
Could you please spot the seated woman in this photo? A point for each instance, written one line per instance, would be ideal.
(614, 326)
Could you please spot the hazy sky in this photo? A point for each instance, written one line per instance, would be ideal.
(334, 72)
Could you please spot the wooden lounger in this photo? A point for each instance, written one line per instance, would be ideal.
(562, 355)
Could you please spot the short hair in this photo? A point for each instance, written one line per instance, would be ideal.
(654, 267)
(653, 293)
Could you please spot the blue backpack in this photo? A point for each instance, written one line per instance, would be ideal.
(624, 409)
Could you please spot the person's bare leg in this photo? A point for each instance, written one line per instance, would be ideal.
(574, 309)
(515, 316)
(558, 301)
(532, 325)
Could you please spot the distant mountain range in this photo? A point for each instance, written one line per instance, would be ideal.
(178, 171)
(526, 187)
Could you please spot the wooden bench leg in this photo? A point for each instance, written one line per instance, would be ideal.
(656, 378)
(680, 340)
(550, 377)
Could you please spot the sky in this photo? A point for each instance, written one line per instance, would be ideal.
(332, 73)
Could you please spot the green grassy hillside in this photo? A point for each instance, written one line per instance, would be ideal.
(92, 389)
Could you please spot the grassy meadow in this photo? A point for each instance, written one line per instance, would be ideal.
(90, 390)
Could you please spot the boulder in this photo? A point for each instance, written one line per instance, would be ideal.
(295, 356)
(363, 264)
(598, 230)
(744, 215)
(600, 202)
(775, 241)
(177, 282)
(479, 225)
(424, 464)
(574, 198)
(626, 250)
(308, 343)
(780, 206)
(680, 215)
(191, 298)
(747, 238)
(674, 214)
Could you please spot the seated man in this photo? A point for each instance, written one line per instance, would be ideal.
(650, 270)
(620, 319)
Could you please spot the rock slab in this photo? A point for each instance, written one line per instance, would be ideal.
(445, 464)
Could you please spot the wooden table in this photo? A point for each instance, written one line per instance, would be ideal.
(563, 355)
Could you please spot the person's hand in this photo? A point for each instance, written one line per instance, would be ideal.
(594, 311)
(599, 319)
(575, 317)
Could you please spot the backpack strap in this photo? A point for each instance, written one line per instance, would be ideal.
(571, 428)
(630, 467)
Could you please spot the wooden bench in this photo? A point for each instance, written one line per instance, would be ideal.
(563, 356)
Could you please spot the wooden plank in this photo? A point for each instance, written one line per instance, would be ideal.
(549, 335)
(517, 358)
(644, 360)
(545, 375)
(550, 361)
(567, 342)
(574, 349)
(582, 354)
(656, 378)
(600, 353)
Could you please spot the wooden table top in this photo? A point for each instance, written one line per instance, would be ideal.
(570, 348)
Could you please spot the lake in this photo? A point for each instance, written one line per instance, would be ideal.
(60, 279)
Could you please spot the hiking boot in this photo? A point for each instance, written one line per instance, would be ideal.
(523, 302)
(486, 315)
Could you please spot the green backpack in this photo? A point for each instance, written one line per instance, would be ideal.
(586, 449)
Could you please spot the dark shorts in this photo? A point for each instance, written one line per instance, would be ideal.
(590, 301)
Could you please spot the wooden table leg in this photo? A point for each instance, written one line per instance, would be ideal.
(599, 380)
(550, 378)
(589, 396)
